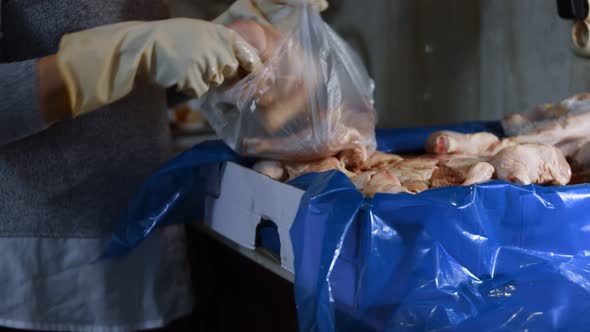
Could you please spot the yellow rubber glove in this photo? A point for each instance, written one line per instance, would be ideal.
(267, 12)
(100, 65)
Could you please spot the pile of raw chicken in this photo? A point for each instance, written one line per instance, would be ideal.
(548, 146)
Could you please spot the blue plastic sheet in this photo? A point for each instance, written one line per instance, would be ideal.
(173, 195)
(492, 257)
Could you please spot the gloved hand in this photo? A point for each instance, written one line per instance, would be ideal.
(100, 65)
(266, 12)
(282, 92)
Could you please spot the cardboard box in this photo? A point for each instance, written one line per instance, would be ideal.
(239, 199)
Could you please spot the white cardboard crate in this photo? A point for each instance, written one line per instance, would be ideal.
(238, 199)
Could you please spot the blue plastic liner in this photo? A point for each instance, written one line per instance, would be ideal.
(173, 195)
(492, 257)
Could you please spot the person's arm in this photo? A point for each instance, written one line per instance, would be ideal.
(96, 67)
(52, 94)
(32, 97)
(100, 65)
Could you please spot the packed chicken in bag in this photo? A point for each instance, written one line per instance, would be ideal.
(313, 97)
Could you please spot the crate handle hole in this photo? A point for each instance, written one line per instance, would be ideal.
(267, 238)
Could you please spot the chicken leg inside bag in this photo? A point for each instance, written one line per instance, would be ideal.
(312, 99)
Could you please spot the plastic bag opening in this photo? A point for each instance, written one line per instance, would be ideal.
(313, 97)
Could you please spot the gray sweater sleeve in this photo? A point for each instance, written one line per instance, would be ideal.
(19, 106)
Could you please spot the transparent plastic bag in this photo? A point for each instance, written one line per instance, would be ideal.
(313, 97)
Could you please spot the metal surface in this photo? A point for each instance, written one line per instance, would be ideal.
(450, 61)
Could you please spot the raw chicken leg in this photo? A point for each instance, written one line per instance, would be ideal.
(415, 173)
(581, 158)
(571, 146)
(462, 171)
(565, 125)
(545, 115)
(282, 90)
(354, 158)
(532, 163)
(302, 146)
(477, 144)
(379, 160)
(270, 168)
(571, 127)
(345, 129)
(559, 124)
(577, 153)
(479, 173)
(361, 180)
(516, 124)
(262, 38)
(383, 182)
(296, 169)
